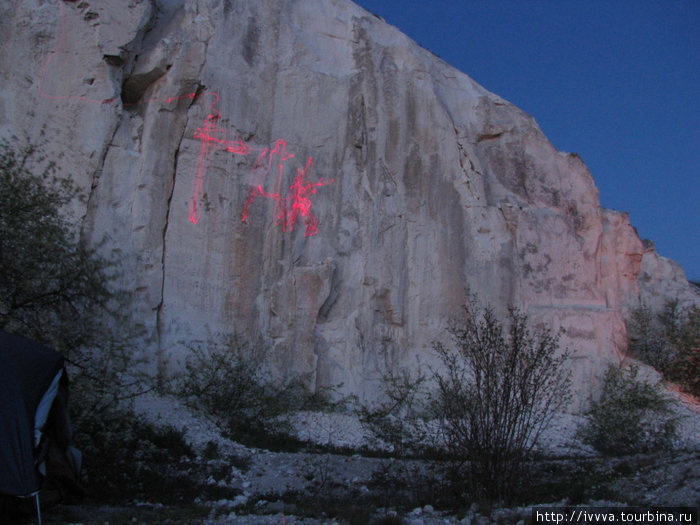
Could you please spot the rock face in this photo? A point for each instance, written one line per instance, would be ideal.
(305, 175)
(662, 279)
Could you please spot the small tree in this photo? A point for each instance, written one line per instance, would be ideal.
(500, 389)
(630, 415)
(51, 282)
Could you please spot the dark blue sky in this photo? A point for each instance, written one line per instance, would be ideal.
(616, 81)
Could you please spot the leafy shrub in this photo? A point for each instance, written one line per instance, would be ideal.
(230, 383)
(127, 457)
(499, 390)
(630, 416)
(398, 420)
(684, 336)
(130, 458)
(670, 342)
(647, 339)
(54, 287)
(51, 281)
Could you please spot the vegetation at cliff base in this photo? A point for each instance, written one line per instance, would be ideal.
(461, 435)
(58, 290)
(670, 342)
(503, 383)
(629, 415)
(51, 281)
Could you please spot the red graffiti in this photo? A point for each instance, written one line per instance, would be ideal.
(290, 204)
(211, 136)
(296, 202)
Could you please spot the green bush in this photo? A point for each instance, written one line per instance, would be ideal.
(500, 388)
(51, 282)
(230, 382)
(127, 458)
(647, 340)
(630, 416)
(124, 456)
(684, 336)
(670, 342)
(399, 420)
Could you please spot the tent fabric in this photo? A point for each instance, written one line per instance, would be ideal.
(42, 411)
(27, 370)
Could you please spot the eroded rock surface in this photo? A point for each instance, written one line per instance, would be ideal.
(179, 118)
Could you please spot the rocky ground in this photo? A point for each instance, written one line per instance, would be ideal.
(339, 485)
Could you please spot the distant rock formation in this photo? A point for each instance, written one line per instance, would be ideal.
(305, 175)
(662, 279)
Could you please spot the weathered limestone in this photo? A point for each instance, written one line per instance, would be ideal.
(661, 279)
(167, 114)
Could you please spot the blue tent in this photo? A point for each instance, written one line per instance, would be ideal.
(30, 379)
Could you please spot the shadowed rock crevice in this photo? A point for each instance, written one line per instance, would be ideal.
(134, 86)
(159, 307)
(114, 60)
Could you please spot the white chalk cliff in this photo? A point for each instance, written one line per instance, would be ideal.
(179, 119)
